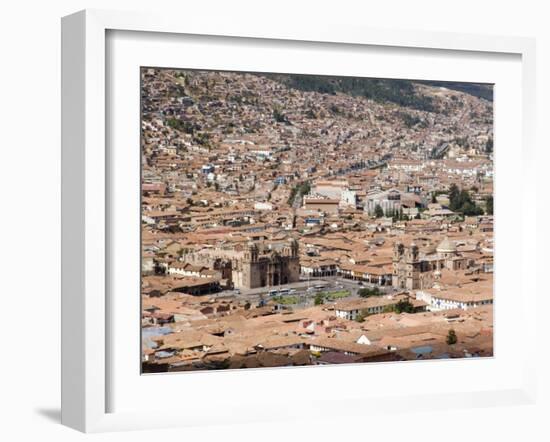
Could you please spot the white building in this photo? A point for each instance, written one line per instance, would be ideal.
(330, 189)
(454, 298)
(406, 165)
(263, 206)
(186, 269)
(350, 310)
(348, 198)
(389, 201)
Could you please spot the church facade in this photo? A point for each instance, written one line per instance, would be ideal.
(411, 271)
(263, 266)
(254, 265)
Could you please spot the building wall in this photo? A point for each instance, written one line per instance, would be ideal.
(349, 197)
(323, 207)
(386, 205)
(266, 272)
(412, 273)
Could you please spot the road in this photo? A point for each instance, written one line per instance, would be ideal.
(305, 290)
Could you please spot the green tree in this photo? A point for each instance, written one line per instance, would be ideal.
(471, 209)
(461, 201)
(279, 116)
(489, 204)
(159, 269)
(361, 316)
(319, 299)
(378, 211)
(404, 306)
(305, 188)
(202, 138)
(368, 292)
(180, 125)
(451, 337)
(453, 195)
(489, 146)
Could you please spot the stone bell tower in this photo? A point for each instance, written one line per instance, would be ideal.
(406, 267)
(249, 264)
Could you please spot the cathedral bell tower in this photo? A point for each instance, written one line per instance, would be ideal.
(251, 253)
(398, 250)
(406, 267)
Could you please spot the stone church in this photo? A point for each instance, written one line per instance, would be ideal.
(414, 271)
(267, 264)
(253, 265)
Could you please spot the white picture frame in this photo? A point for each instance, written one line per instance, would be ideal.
(86, 315)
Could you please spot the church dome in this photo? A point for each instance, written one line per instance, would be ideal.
(446, 246)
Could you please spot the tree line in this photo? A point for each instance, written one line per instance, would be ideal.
(461, 201)
(401, 92)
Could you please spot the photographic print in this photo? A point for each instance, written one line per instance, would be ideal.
(304, 220)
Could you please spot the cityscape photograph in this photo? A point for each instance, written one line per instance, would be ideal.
(304, 220)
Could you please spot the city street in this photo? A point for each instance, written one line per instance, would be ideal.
(304, 289)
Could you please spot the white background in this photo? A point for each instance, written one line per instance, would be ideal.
(30, 166)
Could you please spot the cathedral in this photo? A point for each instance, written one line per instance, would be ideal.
(253, 265)
(270, 264)
(413, 271)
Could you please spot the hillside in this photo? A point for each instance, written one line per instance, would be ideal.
(400, 92)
